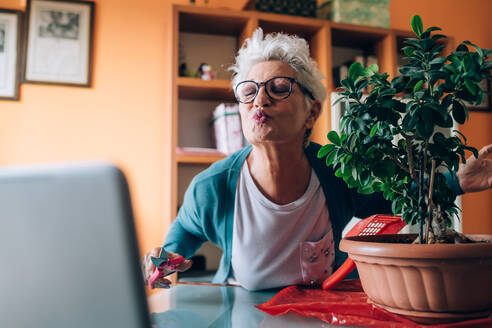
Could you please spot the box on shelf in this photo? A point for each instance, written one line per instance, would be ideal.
(306, 8)
(227, 128)
(361, 12)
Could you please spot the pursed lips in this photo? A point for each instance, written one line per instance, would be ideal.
(260, 116)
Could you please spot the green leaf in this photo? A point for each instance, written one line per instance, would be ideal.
(374, 68)
(366, 72)
(334, 138)
(343, 122)
(459, 114)
(454, 59)
(338, 100)
(462, 47)
(461, 134)
(352, 142)
(487, 64)
(330, 158)
(433, 28)
(478, 49)
(365, 178)
(446, 123)
(380, 170)
(338, 173)
(418, 86)
(355, 71)
(417, 25)
(452, 69)
(374, 130)
(473, 150)
(424, 128)
(346, 170)
(436, 37)
(394, 206)
(361, 84)
(408, 50)
(349, 86)
(471, 86)
(419, 95)
(343, 138)
(437, 60)
(351, 183)
(376, 186)
(354, 173)
(323, 151)
(439, 139)
(409, 121)
(365, 190)
(487, 52)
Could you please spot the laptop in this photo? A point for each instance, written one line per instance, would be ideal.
(68, 248)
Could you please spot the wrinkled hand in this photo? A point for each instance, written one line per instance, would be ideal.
(148, 268)
(476, 174)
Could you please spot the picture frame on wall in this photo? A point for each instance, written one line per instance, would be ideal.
(10, 53)
(58, 38)
(486, 105)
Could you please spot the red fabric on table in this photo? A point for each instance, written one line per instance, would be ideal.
(346, 305)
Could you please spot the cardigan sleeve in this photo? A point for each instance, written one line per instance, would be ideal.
(186, 234)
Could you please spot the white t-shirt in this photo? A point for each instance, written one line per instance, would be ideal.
(277, 245)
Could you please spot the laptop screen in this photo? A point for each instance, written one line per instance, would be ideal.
(68, 248)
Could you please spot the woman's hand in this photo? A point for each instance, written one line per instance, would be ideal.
(148, 268)
(476, 174)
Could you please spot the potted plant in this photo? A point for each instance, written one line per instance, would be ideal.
(390, 142)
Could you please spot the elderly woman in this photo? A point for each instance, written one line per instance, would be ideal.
(273, 207)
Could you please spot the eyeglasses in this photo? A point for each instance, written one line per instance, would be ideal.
(277, 88)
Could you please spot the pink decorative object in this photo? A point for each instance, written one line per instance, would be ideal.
(227, 128)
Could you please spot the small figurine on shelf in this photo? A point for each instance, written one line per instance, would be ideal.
(205, 72)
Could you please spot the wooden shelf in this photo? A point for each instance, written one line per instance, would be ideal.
(198, 20)
(184, 156)
(301, 26)
(199, 159)
(353, 36)
(194, 88)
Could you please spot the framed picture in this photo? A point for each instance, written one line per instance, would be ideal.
(59, 42)
(485, 106)
(10, 53)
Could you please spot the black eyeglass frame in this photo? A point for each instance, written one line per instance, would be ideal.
(260, 84)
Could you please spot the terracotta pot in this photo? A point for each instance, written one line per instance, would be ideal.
(427, 283)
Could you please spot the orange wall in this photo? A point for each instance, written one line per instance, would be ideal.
(121, 117)
(464, 20)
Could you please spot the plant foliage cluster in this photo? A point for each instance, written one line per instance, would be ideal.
(390, 138)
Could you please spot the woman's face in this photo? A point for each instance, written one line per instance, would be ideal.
(266, 120)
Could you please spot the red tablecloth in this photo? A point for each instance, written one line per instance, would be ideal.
(347, 305)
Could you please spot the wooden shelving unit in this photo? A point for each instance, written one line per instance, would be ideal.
(322, 35)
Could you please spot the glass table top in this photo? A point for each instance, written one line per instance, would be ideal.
(197, 306)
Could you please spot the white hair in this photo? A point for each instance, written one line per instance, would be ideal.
(289, 49)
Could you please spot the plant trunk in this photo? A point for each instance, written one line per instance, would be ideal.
(440, 234)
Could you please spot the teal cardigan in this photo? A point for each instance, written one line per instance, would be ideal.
(207, 213)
